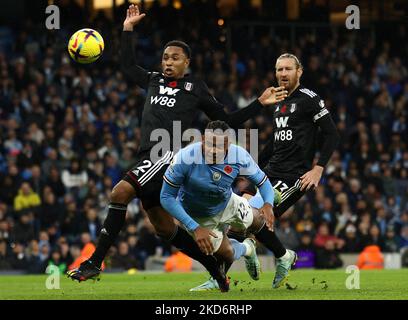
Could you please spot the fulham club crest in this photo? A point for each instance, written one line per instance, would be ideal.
(292, 107)
(188, 86)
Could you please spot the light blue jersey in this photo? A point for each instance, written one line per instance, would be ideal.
(205, 189)
(256, 201)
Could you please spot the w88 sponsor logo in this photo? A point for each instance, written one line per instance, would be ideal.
(284, 135)
(163, 101)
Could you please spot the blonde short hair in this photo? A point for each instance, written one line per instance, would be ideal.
(291, 56)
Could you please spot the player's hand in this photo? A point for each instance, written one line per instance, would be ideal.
(267, 212)
(273, 95)
(133, 17)
(202, 237)
(310, 180)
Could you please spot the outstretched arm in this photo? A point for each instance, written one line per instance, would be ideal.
(127, 59)
(215, 110)
(168, 200)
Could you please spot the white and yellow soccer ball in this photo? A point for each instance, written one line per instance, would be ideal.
(86, 46)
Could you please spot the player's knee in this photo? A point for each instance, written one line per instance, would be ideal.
(162, 222)
(123, 192)
(164, 231)
(257, 223)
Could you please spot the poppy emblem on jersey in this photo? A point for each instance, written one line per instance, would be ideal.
(227, 169)
(292, 107)
(173, 84)
(216, 176)
(283, 109)
(188, 86)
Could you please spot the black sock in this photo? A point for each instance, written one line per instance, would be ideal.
(239, 236)
(271, 241)
(186, 244)
(227, 266)
(111, 228)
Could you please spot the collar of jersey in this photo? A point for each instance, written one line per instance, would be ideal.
(167, 79)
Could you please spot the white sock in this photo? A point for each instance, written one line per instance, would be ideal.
(248, 251)
(286, 256)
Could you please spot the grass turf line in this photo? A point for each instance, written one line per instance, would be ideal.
(304, 284)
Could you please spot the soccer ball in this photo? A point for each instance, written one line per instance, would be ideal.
(86, 46)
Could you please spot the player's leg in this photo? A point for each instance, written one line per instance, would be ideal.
(120, 196)
(239, 215)
(231, 250)
(285, 258)
(170, 232)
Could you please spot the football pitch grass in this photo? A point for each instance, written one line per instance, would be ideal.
(303, 284)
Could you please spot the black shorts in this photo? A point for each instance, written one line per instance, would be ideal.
(146, 178)
(290, 193)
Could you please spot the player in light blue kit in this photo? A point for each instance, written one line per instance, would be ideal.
(197, 192)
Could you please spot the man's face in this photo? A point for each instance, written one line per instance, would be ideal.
(287, 73)
(215, 147)
(174, 62)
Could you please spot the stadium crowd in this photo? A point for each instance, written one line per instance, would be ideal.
(69, 132)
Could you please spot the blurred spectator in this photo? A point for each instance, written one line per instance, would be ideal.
(55, 183)
(375, 237)
(323, 236)
(403, 238)
(306, 252)
(328, 257)
(123, 259)
(74, 177)
(63, 246)
(370, 258)
(24, 231)
(56, 260)
(26, 198)
(287, 234)
(91, 224)
(390, 241)
(351, 239)
(18, 258)
(178, 262)
(5, 263)
(35, 261)
(50, 210)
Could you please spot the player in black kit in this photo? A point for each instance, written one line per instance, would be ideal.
(172, 96)
(288, 157)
